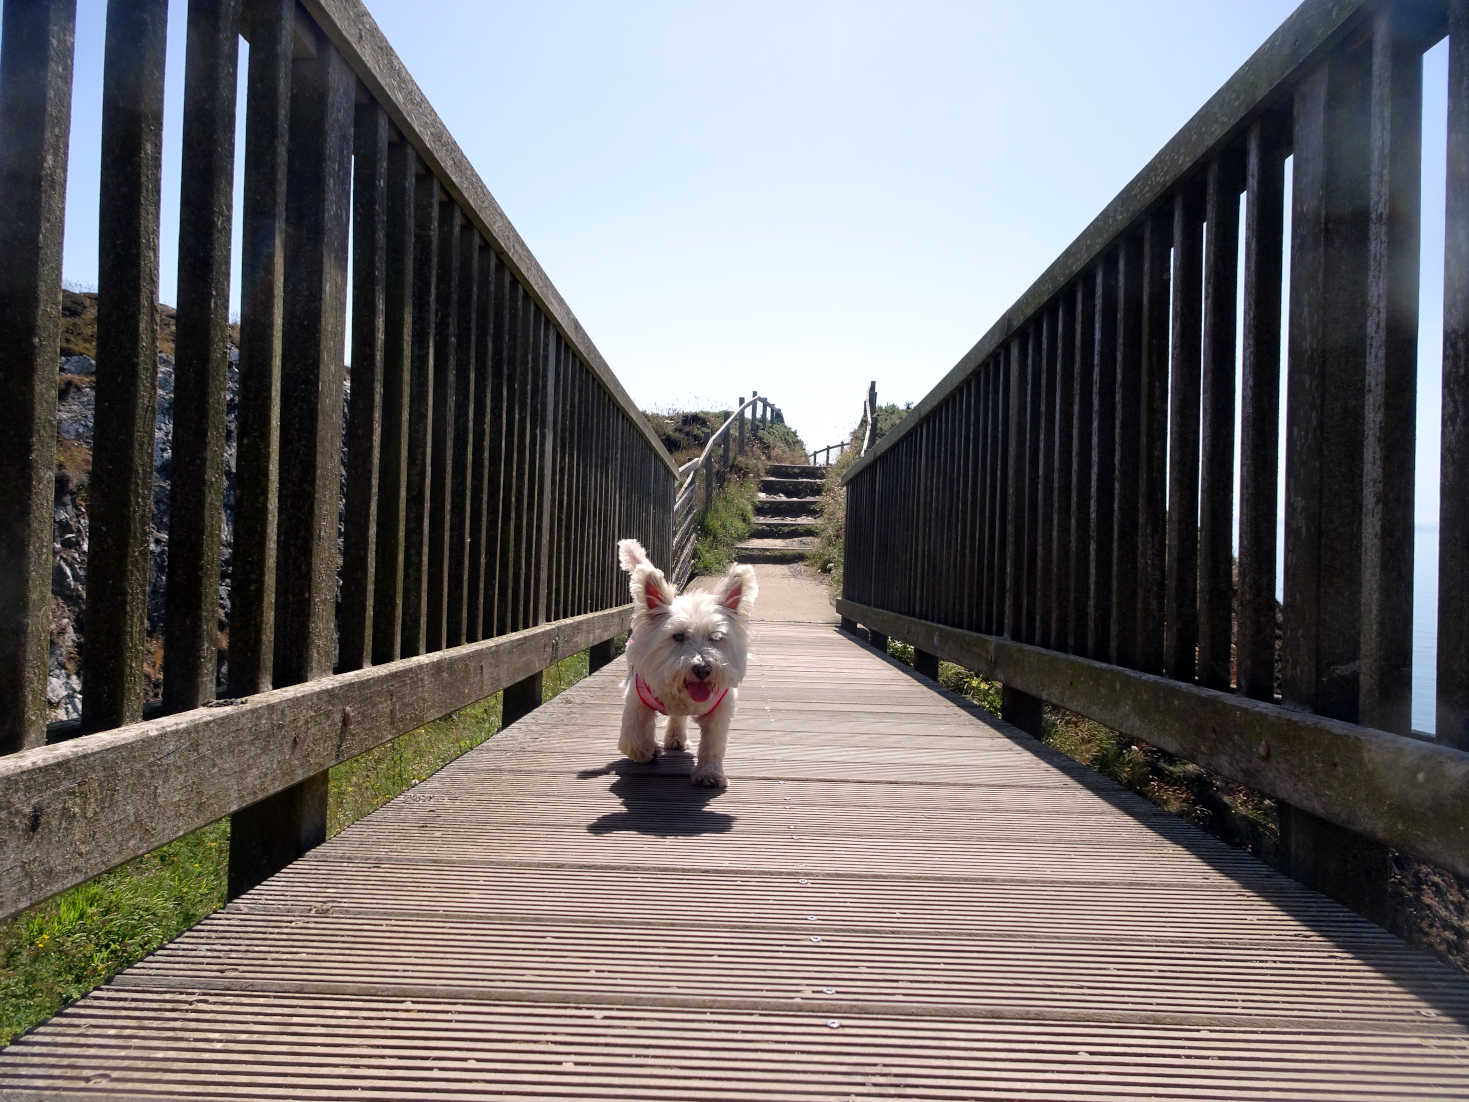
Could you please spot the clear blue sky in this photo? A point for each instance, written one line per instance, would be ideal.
(791, 197)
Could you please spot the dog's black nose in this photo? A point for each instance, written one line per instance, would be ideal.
(701, 670)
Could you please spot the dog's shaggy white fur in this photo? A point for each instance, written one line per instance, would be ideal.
(689, 653)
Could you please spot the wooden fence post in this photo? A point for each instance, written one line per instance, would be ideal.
(35, 102)
(1022, 710)
(599, 655)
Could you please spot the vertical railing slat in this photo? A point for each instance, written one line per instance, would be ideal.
(262, 282)
(267, 835)
(416, 518)
(537, 522)
(1014, 488)
(1260, 404)
(1062, 472)
(1045, 477)
(365, 415)
(1390, 413)
(508, 392)
(318, 190)
(497, 458)
(1104, 508)
(392, 506)
(120, 498)
(1325, 384)
(201, 361)
(1452, 722)
(441, 454)
(1216, 473)
(1152, 487)
(1082, 532)
(1181, 615)
(36, 47)
(460, 476)
(481, 562)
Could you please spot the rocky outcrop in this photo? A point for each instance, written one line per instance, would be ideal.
(75, 431)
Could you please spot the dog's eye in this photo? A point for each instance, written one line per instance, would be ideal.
(678, 637)
(717, 637)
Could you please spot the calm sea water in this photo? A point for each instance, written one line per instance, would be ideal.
(1425, 624)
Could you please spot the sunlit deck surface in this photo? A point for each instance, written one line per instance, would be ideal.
(898, 896)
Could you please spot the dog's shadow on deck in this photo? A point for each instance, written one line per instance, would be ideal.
(658, 799)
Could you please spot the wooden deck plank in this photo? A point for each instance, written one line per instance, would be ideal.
(897, 897)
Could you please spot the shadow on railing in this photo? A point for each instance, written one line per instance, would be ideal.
(491, 457)
(1058, 512)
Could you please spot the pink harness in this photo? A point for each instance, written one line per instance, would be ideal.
(645, 694)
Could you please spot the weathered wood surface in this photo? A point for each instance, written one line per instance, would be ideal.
(897, 896)
(76, 809)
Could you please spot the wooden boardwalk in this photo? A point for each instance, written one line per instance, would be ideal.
(897, 897)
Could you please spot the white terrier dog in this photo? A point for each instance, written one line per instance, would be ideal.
(685, 657)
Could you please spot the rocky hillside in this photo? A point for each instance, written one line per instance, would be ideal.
(76, 394)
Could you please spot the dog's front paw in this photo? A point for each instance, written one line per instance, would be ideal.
(710, 776)
(638, 750)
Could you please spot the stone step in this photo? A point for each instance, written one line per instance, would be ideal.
(795, 470)
(772, 528)
(774, 550)
(768, 506)
(792, 487)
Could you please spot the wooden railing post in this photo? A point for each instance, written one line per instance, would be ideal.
(740, 407)
(521, 698)
(1022, 710)
(925, 663)
(265, 836)
(35, 102)
(599, 655)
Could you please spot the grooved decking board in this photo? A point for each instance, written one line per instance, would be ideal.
(897, 897)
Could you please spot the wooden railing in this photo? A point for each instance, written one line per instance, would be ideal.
(700, 479)
(492, 458)
(1057, 512)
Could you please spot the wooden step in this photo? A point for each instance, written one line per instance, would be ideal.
(774, 550)
(795, 470)
(775, 506)
(782, 528)
(792, 487)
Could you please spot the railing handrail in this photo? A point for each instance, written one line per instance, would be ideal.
(352, 30)
(1072, 511)
(471, 558)
(693, 465)
(869, 418)
(1268, 74)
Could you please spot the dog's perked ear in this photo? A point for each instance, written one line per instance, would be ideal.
(738, 590)
(651, 592)
(630, 555)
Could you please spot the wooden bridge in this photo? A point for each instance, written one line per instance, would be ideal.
(899, 895)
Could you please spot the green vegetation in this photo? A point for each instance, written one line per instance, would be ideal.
(781, 444)
(60, 949)
(685, 434)
(730, 517)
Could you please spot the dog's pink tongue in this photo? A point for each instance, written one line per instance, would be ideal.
(700, 690)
